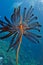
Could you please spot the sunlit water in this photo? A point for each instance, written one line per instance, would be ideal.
(30, 53)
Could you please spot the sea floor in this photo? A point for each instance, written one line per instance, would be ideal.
(10, 57)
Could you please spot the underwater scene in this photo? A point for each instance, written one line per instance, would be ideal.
(21, 32)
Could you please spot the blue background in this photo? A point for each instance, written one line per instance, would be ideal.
(32, 53)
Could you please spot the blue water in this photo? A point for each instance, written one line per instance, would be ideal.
(30, 53)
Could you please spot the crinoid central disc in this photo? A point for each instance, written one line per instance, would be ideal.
(21, 28)
(21, 25)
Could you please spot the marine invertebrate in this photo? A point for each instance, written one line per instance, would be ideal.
(19, 26)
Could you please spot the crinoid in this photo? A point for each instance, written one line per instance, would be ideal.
(19, 26)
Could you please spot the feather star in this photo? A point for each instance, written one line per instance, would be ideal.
(20, 26)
